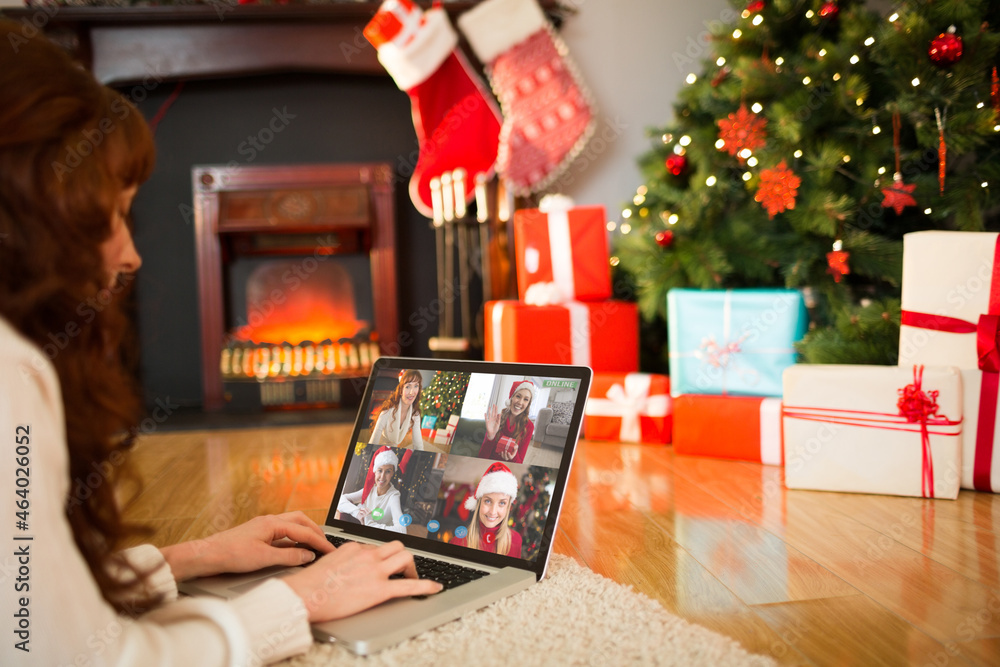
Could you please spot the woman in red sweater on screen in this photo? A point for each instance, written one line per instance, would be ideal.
(508, 432)
(488, 529)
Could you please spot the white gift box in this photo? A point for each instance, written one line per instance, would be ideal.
(893, 430)
(947, 278)
(980, 463)
(951, 317)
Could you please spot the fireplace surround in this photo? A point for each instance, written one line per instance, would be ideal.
(289, 328)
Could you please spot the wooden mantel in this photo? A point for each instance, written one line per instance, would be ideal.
(131, 45)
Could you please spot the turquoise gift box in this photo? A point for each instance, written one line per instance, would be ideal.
(736, 341)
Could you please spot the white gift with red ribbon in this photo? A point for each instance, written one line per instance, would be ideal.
(630, 402)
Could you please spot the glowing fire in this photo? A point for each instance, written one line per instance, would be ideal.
(292, 302)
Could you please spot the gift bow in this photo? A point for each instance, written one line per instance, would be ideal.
(546, 294)
(916, 407)
(987, 330)
(630, 403)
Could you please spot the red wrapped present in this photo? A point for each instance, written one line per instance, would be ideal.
(604, 336)
(567, 247)
(728, 427)
(629, 407)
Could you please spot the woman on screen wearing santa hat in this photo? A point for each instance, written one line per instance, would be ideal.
(508, 432)
(488, 529)
(400, 414)
(377, 502)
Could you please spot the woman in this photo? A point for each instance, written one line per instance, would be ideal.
(377, 503)
(72, 154)
(508, 433)
(488, 529)
(399, 414)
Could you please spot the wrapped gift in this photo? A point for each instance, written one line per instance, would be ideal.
(951, 316)
(604, 336)
(628, 407)
(894, 430)
(728, 427)
(732, 341)
(568, 247)
(443, 436)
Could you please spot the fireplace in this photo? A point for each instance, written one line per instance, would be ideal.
(290, 259)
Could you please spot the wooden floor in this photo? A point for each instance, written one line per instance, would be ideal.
(806, 577)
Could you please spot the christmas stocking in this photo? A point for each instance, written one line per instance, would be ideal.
(456, 119)
(548, 116)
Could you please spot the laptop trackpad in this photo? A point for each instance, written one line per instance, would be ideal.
(263, 575)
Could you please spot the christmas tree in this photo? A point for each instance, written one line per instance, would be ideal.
(813, 138)
(530, 511)
(444, 395)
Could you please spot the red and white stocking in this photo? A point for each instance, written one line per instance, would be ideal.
(548, 115)
(455, 117)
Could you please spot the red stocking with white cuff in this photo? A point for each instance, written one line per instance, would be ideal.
(455, 117)
(548, 115)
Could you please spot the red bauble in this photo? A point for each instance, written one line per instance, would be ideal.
(676, 164)
(755, 6)
(829, 10)
(664, 238)
(946, 48)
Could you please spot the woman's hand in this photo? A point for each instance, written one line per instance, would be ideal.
(355, 577)
(492, 421)
(258, 543)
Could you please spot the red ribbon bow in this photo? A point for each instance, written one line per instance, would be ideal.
(918, 405)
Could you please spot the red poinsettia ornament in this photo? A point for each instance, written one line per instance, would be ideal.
(778, 188)
(742, 129)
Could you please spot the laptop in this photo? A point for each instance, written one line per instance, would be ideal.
(443, 500)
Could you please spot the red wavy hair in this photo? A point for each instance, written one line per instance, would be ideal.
(68, 147)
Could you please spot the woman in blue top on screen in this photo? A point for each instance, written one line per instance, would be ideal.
(399, 414)
(488, 529)
(508, 432)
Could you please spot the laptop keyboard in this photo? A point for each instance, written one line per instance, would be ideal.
(447, 574)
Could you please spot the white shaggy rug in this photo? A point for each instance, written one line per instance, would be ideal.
(572, 617)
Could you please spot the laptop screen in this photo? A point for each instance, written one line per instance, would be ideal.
(455, 456)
